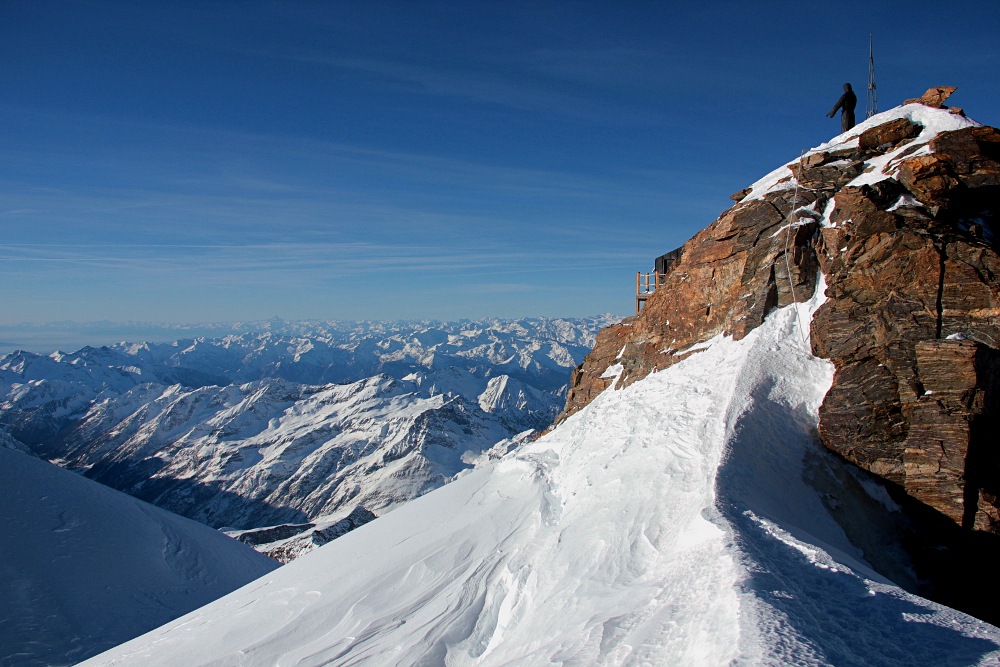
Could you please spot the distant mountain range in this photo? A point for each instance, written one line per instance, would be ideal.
(265, 429)
(44, 337)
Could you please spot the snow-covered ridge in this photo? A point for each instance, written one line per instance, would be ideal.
(307, 328)
(677, 521)
(539, 350)
(932, 121)
(272, 452)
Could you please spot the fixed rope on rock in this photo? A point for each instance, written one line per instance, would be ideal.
(789, 223)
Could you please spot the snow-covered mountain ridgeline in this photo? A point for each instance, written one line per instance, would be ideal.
(900, 216)
(538, 351)
(147, 418)
(85, 567)
(563, 330)
(43, 390)
(616, 539)
(272, 452)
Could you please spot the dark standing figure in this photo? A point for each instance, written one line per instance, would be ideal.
(846, 104)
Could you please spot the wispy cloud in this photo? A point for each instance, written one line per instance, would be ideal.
(526, 89)
(347, 192)
(263, 262)
(217, 158)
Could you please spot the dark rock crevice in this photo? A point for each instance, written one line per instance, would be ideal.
(942, 268)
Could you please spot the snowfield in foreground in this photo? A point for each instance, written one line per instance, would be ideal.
(669, 523)
(84, 567)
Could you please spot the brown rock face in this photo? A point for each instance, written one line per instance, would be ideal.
(888, 133)
(934, 97)
(729, 277)
(738, 196)
(941, 468)
(905, 402)
(908, 261)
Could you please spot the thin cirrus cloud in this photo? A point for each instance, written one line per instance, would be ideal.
(622, 86)
(336, 260)
(287, 158)
(334, 188)
(210, 151)
(531, 90)
(321, 212)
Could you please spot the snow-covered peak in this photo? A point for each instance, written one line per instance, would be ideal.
(269, 452)
(539, 351)
(931, 120)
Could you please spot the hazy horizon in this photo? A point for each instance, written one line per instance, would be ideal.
(70, 336)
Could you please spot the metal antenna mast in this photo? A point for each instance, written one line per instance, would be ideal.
(872, 107)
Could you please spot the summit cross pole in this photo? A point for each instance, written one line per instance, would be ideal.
(872, 107)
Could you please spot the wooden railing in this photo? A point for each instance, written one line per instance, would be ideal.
(646, 284)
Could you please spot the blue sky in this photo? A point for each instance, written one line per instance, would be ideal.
(213, 161)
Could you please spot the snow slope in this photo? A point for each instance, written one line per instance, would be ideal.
(679, 521)
(84, 567)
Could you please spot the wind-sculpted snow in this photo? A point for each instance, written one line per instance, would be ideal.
(85, 567)
(640, 531)
(271, 452)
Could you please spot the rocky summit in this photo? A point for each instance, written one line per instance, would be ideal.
(896, 221)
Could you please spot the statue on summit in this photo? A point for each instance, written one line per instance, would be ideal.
(846, 104)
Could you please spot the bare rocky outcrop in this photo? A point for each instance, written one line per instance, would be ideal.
(934, 97)
(899, 216)
(909, 259)
(728, 278)
(909, 262)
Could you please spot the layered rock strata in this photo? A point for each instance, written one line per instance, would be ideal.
(898, 216)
